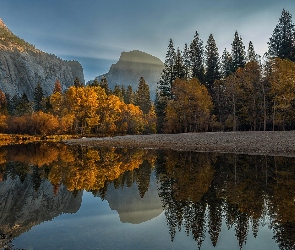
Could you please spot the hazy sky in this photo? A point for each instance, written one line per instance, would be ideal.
(95, 32)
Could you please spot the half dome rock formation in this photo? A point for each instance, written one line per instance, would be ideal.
(131, 207)
(133, 65)
(22, 67)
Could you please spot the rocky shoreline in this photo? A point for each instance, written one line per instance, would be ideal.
(255, 143)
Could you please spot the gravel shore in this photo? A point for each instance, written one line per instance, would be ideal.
(259, 143)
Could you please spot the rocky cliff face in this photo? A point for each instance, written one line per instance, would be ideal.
(133, 65)
(22, 66)
(22, 207)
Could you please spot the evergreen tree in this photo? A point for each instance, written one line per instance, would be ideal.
(117, 92)
(168, 74)
(238, 53)
(212, 63)
(178, 67)
(15, 100)
(38, 97)
(226, 62)
(164, 86)
(251, 55)
(186, 62)
(104, 84)
(197, 58)
(77, 82)
(143, 99)
(95, 83)
(24, 106)
(282, 42)
(129, 96)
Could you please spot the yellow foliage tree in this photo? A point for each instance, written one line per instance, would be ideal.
(282, 81)
(190, 109)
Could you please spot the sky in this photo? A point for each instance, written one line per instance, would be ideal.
(95, 32)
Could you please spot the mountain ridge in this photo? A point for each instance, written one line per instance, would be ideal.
(131, 66)
(22, 67)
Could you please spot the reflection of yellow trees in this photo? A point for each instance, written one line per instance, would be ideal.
(92, 168)
(283, 199)
(192, 173)
(44, 154)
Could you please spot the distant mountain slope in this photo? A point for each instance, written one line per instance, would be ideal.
(22, 66)
(133, 65)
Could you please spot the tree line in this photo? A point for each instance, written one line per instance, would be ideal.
(92, 109)
(200, 90)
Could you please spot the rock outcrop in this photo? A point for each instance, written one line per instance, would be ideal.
(133, 65)
(22, 66)
(22, 206)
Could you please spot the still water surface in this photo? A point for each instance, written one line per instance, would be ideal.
(53, 196)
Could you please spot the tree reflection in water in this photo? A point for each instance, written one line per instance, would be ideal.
(199, 191)
(202, 190)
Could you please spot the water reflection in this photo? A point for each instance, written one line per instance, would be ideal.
(199, 192)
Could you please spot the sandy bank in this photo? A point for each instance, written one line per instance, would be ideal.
(261, 143)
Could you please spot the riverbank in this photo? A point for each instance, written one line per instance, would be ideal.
(250, 142)
(12, 139)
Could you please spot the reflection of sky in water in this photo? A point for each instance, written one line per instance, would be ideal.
(96, 226)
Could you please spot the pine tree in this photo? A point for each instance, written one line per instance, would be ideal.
(226, 62)
(95, 83)
(282, 42)
(77, 82)
(38, 97)
(104, 84)
(143, 99)
(212, 63)
(186, 62)
(164, 86)
(24, 106)
(118, 92)
(129, 96)
(178, 67)
(168, 74)
(197, 58)
(238, 53)
(251, 55)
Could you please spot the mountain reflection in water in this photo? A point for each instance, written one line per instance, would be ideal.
(199, 193)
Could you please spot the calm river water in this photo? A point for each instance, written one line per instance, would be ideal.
(53, 196)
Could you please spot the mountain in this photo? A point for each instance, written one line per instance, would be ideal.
(22, 206)
(131, 207)
(22, 66)
(133, 65)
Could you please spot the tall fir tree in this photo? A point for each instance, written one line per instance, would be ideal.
(104, 84)
(251, 55)
(168, 74)
(38, 97)
(77, 82)
(164, 86)
(129, 96)
(179, 70)
(197, 58)
(282, 42)
(226, 64)
(143, 97)
(238, 53)
(212, 63)
(186, 62)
